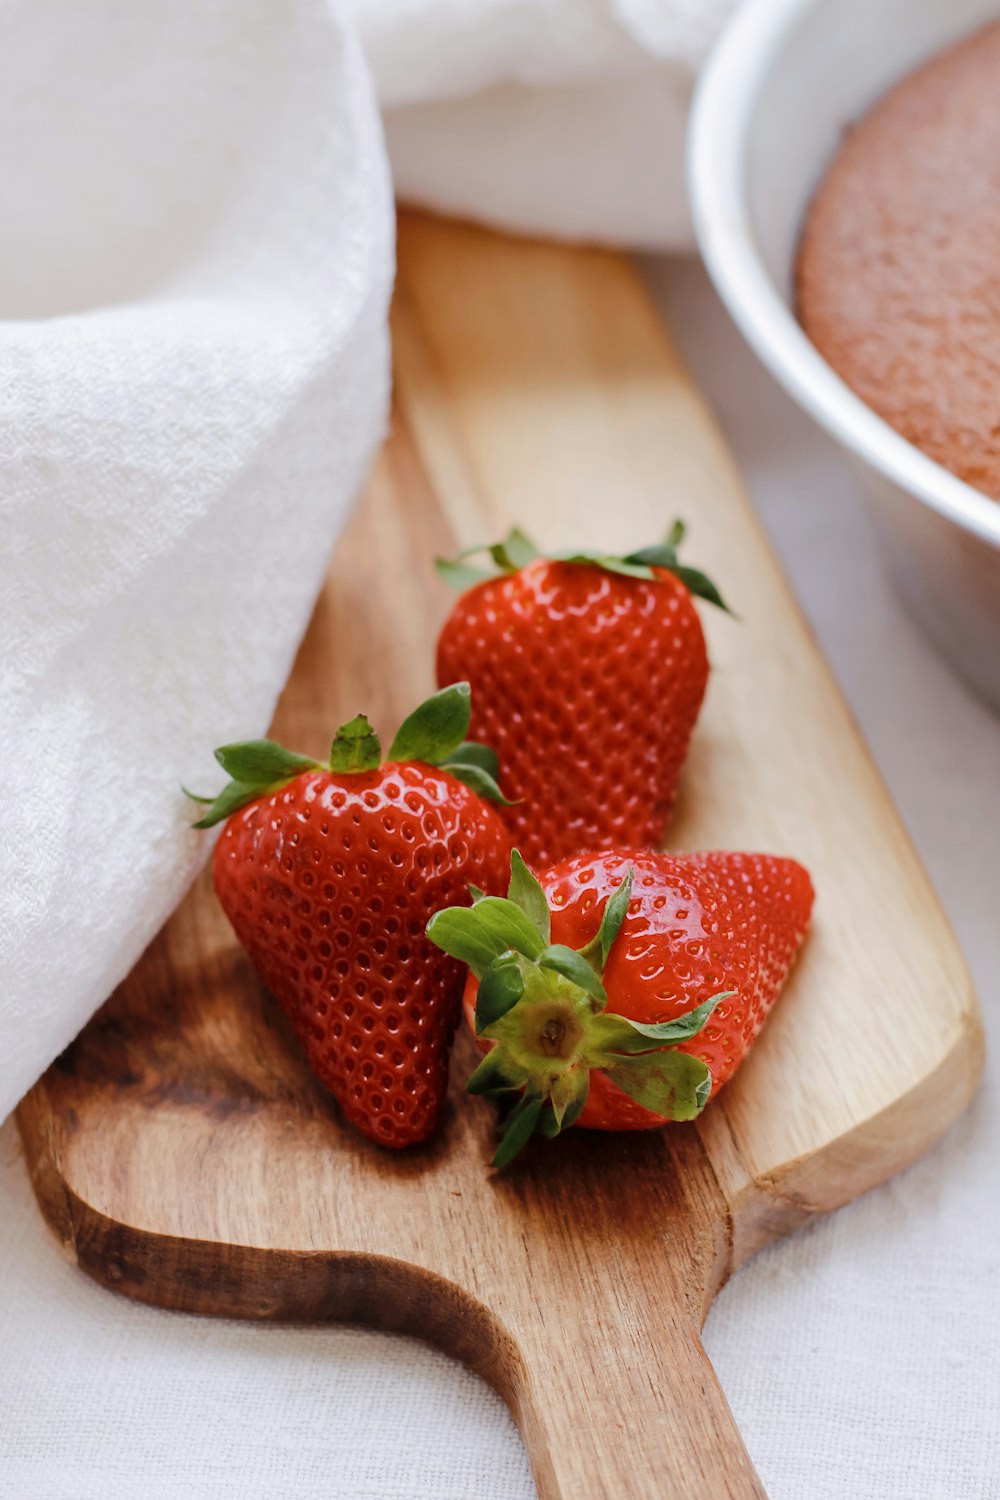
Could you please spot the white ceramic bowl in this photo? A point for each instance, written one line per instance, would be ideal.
(785, 81)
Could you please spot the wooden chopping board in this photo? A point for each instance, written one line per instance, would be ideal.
(181, 1151)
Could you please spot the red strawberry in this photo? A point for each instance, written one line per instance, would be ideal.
(328, 875)
(588, 672)
(623, 990)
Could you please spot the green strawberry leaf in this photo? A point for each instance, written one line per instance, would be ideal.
(699, 584)
(472, 753)
(683, 1027)
(477, 767)
(435, 729)
(568, 1094)
(548, 1126)
(519, 1126)
(254, 767)
(572, 966)
(520, 548)
(662, 555)
(234, 795)
(356, 747)
(615, 911)
(500, 988)
(625, 566)
(509, 926)
(459, 931)
(516, 551)
(460, 575)
(526, 892)
(665, 556)
(614, 1033)
(496, 1074)
(477, 780)
(262, 762)
(671, 1084)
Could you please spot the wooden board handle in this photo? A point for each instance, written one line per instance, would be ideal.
(615, 1400)
(601, 1307)
(640, 1417)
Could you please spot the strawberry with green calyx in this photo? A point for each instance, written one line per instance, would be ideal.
(328, 874)
(518, 551)
(434, 733)
(623, 989)
(588, 672)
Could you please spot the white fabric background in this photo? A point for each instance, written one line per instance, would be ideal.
(860, 1356)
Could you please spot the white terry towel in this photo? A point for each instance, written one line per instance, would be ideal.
(195, 263)
(565, 117)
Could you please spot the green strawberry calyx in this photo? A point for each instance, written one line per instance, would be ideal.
(517, 550)
(434, 733)
(543, 1006)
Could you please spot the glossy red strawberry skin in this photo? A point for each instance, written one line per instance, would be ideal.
(329, 883)
(697, 925)
(588, 685)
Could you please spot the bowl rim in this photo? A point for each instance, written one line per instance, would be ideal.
(724, 104)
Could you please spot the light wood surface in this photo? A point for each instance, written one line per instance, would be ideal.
(181, 1151)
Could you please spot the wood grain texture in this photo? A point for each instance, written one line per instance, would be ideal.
(183, 1154)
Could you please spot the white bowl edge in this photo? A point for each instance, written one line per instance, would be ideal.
(723, 107)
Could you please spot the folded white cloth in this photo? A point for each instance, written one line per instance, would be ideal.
(565, 117)
(195, 262)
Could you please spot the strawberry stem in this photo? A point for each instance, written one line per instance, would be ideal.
(355, 747)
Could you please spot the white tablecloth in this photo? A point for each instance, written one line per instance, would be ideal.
(862, 1357)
